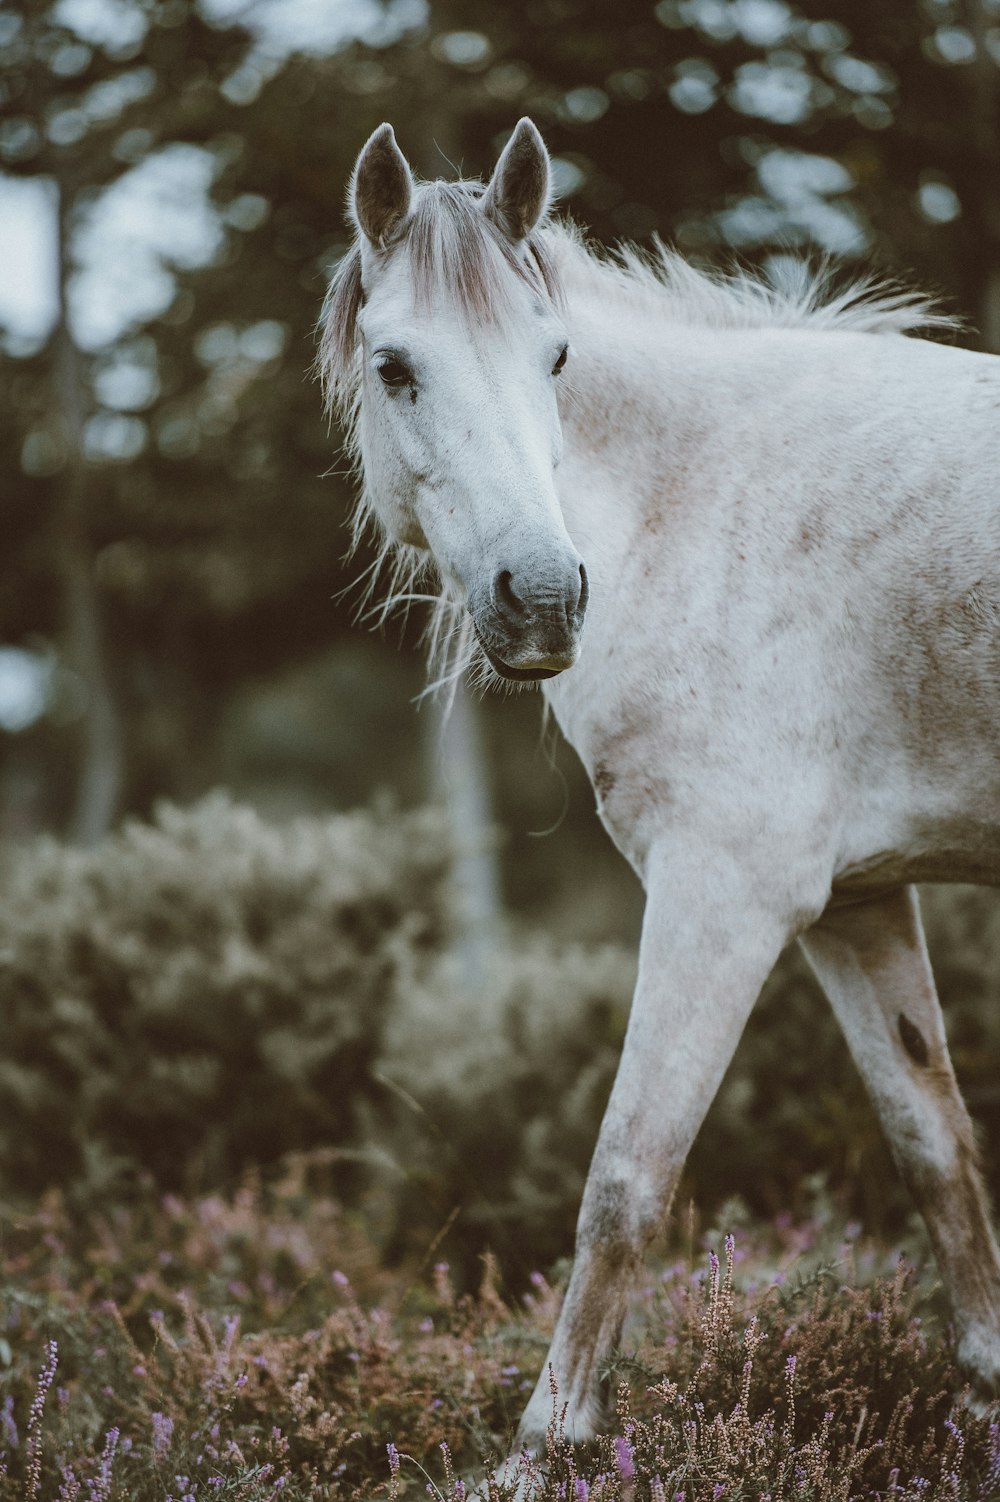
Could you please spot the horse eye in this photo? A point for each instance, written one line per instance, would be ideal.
(394, 373)
(558, 366)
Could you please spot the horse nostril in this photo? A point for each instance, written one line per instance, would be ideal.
(505, 596)
(581, 604)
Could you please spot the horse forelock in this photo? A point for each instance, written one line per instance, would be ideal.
(453, 249)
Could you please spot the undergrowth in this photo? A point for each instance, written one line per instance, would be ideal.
(252, 1346)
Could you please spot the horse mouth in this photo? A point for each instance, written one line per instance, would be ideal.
(517, 675)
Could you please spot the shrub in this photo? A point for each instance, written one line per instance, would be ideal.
(502, 1097)
(250, 1346)
(206, 991)
(212, 990)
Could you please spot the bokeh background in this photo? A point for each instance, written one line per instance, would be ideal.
(397, 942)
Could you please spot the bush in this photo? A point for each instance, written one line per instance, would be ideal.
(212, 991)
(502, 1097)
(206, 991)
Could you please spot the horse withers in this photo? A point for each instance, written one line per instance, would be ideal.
(747, 538)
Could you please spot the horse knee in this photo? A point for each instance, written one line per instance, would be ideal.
(618, 1218)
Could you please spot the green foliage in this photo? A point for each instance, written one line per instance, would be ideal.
(206, 991)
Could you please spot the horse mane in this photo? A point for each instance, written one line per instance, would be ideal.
(454, 247)
(792, 292)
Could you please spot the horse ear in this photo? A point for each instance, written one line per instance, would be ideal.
(519, 190)
(381, 188)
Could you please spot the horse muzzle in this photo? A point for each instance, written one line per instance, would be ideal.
(529, 627)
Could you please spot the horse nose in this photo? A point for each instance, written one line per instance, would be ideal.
(517, 599)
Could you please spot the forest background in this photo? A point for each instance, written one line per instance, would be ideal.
(397, 943)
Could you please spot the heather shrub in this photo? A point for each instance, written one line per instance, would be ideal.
(253, 1346)
(205, 991)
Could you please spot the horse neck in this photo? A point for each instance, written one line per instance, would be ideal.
(640, 392)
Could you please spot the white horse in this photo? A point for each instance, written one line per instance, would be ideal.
(786, 690)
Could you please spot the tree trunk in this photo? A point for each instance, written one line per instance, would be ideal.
(101, 761)
(460, 781)
(984, 80)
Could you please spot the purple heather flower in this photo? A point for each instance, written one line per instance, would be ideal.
(100, 1487)
(624, 1458)
(163, 1433)
(341, 1279)
(581, 1491)
(393, 1454)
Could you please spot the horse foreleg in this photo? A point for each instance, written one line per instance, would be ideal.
(872, 962)
(706, 950)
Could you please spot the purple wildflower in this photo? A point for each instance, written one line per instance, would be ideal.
(624, 1458)
(45, 1378)
(163, 1433)
(393, 1454)
(69, 1487)
(581, 1491)
(100, 1487)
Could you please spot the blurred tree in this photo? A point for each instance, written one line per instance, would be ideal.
(71, 118)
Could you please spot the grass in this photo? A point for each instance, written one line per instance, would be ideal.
(253, 1346)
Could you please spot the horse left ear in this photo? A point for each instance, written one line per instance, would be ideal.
(381, 189)
(520, 188)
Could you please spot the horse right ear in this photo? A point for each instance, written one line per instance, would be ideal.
(519, 190)
(381, 188)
